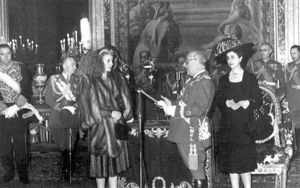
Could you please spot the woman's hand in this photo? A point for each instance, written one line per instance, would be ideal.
(232, 104)
(244, 103)
(115, 115)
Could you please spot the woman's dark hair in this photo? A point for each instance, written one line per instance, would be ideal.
(245, 56)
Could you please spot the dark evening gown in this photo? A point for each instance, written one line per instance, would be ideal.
(236, 146)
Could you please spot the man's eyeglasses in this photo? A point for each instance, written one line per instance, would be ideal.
(264, 50)
(188, 60)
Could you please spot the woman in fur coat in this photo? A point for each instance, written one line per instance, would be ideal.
(104, 101)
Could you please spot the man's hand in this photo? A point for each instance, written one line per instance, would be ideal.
(11, 111)
(166, 105)
(115, 115)
(166, 100)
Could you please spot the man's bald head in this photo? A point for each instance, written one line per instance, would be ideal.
(195, 62)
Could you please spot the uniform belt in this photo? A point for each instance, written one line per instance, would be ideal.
(295, 86)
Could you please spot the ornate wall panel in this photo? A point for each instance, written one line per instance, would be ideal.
(119, 26)
(292, 25)
(279, 34)
(96, 14)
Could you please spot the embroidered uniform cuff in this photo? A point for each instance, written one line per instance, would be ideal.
(21, 100)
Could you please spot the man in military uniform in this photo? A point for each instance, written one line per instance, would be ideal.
(14, 89)
(293, 91)
(64, 122)
(189, 127)
(269, 71)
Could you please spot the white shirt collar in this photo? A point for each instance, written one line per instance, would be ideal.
(65, 75)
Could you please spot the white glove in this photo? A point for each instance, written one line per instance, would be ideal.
(11, 111)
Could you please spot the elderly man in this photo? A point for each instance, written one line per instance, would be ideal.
(269, 71)
(14, 89)
(189, 127)
(64, 122)
(293, 91)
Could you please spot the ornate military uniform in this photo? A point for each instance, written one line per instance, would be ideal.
(64, 121)
(14, 128)
(188, 128)
(272, 74)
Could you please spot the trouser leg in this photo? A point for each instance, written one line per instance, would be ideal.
(63, 139)
(184, 153)
(297, 135)
(6, 156)
(6, 148)
(21, 155)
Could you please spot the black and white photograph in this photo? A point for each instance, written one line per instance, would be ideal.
(149, 93)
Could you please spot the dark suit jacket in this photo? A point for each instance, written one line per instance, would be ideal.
(197, 94)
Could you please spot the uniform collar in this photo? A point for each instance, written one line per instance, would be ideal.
(65, 76)
(200, 72)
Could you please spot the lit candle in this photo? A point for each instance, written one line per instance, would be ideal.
(68, 39)
(32, 45)
(76, 36)
(21, 42)
(36, 48)
(61, 44)
(80, 47)
(64, 44)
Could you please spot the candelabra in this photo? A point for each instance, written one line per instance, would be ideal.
(26, 52)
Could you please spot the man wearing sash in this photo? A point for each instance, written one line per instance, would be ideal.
(293, 91)
(64, 121)
(14, 89)
(189, 125)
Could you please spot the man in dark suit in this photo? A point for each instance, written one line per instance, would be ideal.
(64, 122)
(14, 91)
(189, 125)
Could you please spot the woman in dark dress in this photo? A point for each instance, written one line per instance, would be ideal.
(104, 101)
(238, 95)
